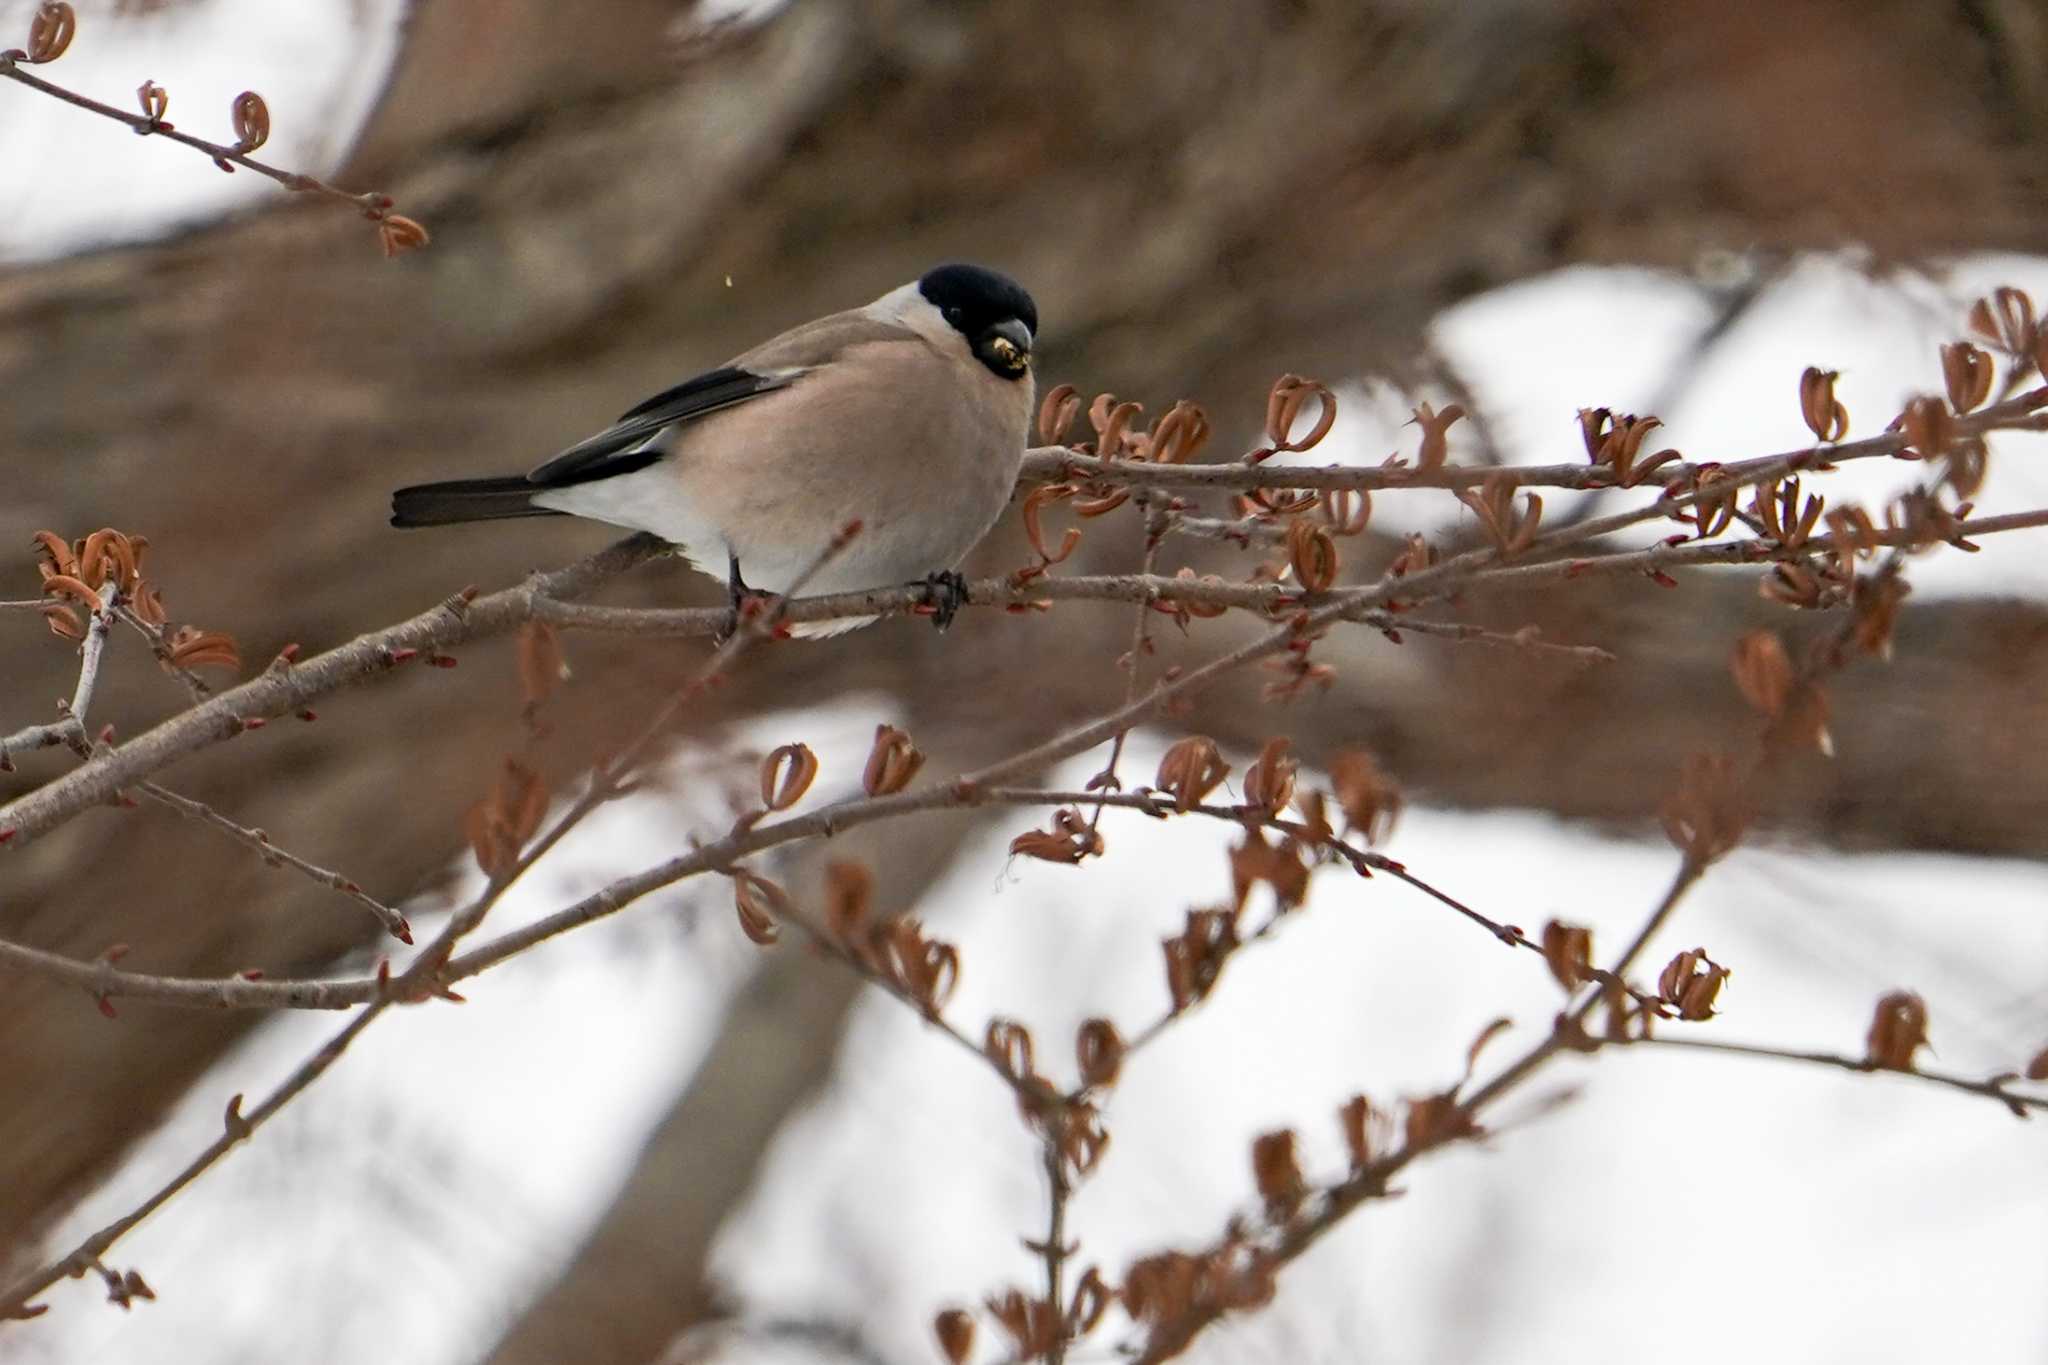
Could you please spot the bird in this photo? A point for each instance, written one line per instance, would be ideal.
(909, 414)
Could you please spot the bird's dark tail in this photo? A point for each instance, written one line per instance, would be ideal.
(443, 504)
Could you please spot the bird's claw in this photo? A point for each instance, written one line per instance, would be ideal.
(944, 594)
(742, 602)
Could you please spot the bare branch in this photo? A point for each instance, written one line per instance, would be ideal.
(14, 1299)
(397, 232)
(393, 922)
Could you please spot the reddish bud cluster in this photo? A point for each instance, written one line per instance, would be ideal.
(892, 762)
(1825, 416)
(1615, 440)
(1689, 985)
(1069, 840)
(1493, 502)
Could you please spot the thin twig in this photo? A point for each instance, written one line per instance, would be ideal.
(1990, 1089)
(1059, 1189)
(1141, 627)
(278, 692)
(1058, 464)
(371, 202)
(545, 597)
(14, 1299)
(70, 730)
(394, 923)
(196, 687)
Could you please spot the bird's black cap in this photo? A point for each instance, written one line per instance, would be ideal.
(973, 298)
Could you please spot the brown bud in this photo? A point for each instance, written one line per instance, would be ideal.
(1056, 414)
(1178, 434)
(1763, 671)
(1289, 395)
(1898, 1029)
(1278, 865)
(1206, 611)
(1928, 426)
(1099, 1049)
(1706, 817)
(1112, 422)
(1690, 983)
(955, 1330)
(398, 234)
(1493, 502)
(1436, 1119)
(1825, 416)
(1190, 770)
(51, 31)
(149, 604)
(2006, 320)
(1313, 556)
(2037, 1069)
(1568, 948)
(1356, 1118)
(155, 101)
(63, 622)
(1269, 783)
(252, 121)
(1008, 1044)
(1033, 1324)
(1346, 511)
(1195, 958)
(892, 762)
(758, 900)
(926, 970)
(1369, 797)
(1068, 841)
(849, 897)
(1277, 1170)
(1092, 1297)
(1035, 503)
(1616, 441)
(1436, 428)
(786, 774)
(541, 668)
(191, 647)
(1967, 373)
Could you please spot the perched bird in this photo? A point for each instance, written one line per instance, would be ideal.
(909, 414)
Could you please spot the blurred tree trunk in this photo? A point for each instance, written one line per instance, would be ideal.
(1201, 197)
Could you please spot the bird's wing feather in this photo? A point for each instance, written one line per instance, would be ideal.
(618, 448)
(627, 445)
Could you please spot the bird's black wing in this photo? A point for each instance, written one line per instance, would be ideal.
(621, 447)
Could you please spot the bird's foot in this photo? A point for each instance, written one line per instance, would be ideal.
(743, 603)
(944, 594)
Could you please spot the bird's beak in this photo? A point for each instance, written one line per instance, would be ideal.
(1013, 331)
(1006, 347)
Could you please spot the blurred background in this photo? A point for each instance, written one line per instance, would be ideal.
(654, 1139)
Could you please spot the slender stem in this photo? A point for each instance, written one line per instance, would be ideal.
(1990, 1089)
(14, 1299)
(394, 923)
(291, 180)
(1058, 1191)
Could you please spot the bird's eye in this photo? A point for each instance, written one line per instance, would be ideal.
(956, 315)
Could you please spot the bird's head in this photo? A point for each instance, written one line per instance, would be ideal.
(990, 310)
